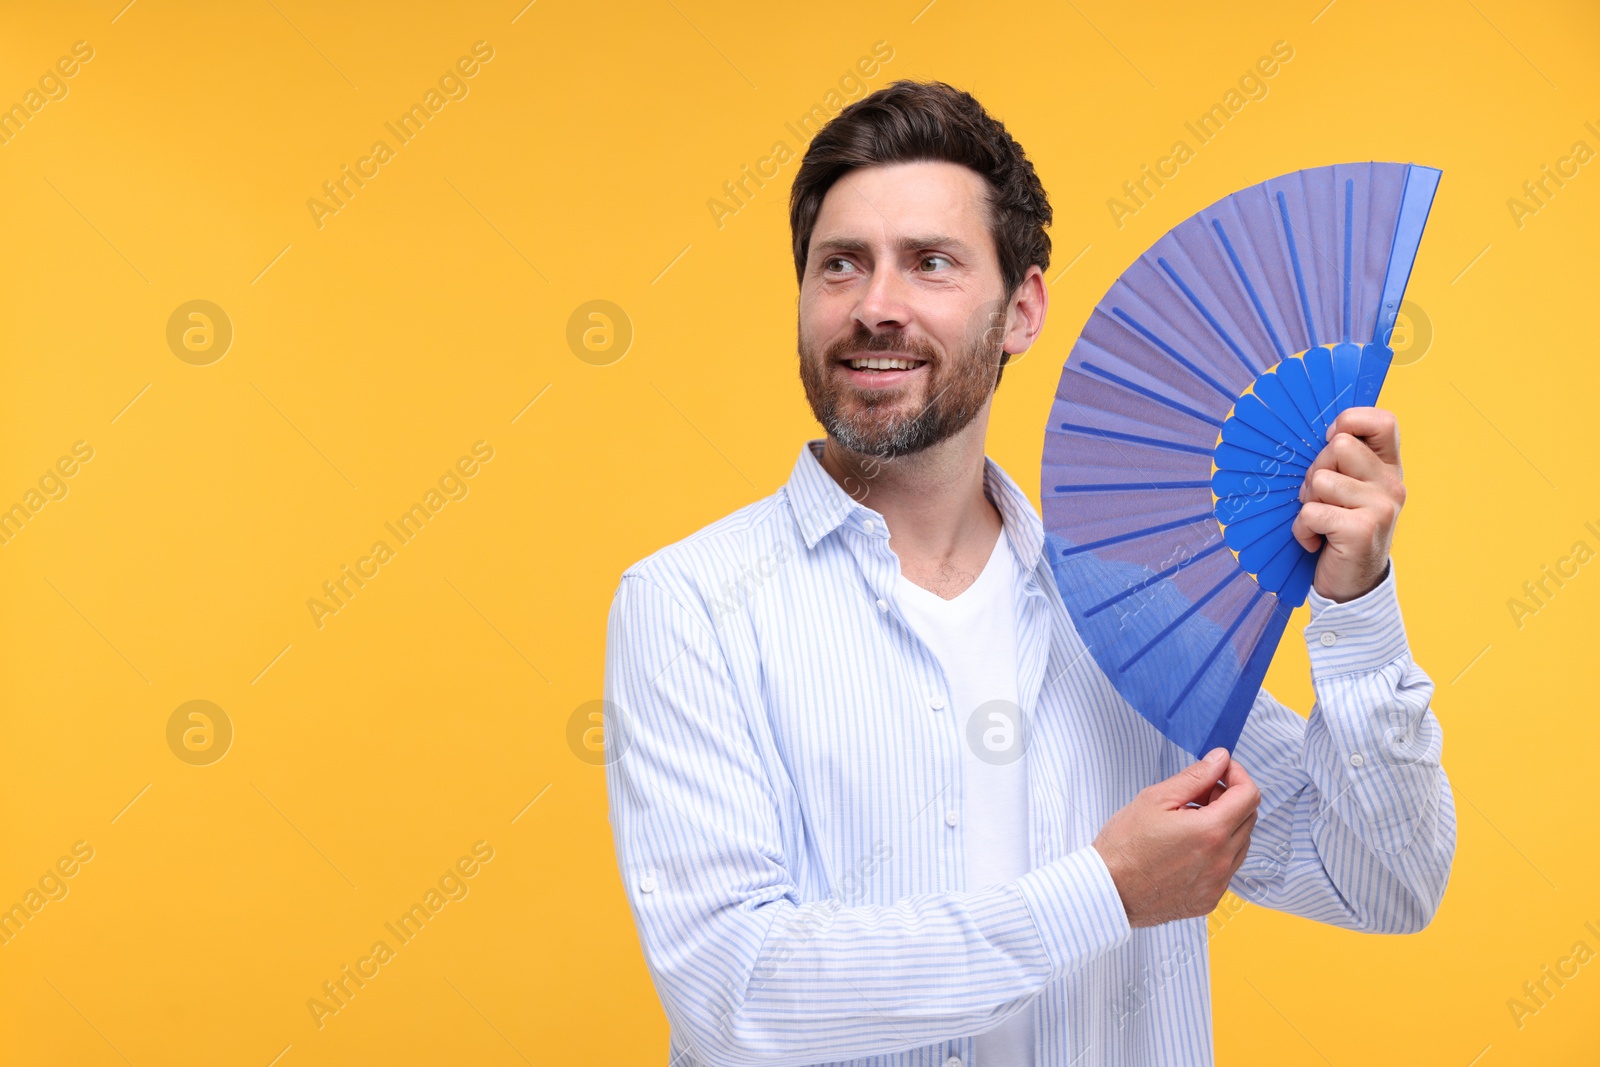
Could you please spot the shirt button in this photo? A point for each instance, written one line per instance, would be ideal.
(647, 884)
(1328, 637)
(953, 1061)
(883, 605)
(951, 817)
(936, 702)
(1356, 760)
(871, 526)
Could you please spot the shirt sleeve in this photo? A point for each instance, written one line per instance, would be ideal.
(747, 972)
(1357, 823)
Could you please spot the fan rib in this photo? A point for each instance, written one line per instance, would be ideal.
(1151, 393)
(1346, 368)
(1211, 319)
(1415, 203)
(1239, 435)
(1255, 450)
(1131, 535)
(1298, 583)
(1299, 276)
(1217, 648)
(1173, 352)
(1118, 487)
(1244, 531)
(1225, 459)
(1275, 573)
(1238, 269)
(1255, 558)
(1227, 482)
(1375, 360)
(1245, 506)
(1296, 381)
(1230, 722)
(1270, 390)
(1173, 625)
(1169, 572)
(1255, 413)
(1349, 216)
(1239, 431)
(1153, 442)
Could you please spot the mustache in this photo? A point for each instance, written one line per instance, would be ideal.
(882, 342)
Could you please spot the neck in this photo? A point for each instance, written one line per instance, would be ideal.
(932, 501)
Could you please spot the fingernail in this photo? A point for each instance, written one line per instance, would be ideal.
(1215, 754)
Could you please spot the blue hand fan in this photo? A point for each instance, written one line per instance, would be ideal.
(1188, 412)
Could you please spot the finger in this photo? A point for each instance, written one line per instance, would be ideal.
(1329, 520)
(1194, 783)
(1238, 774)
(1309, 539)
(1377, 427)
(1348, 455)
(1330, 486)
(1239, 799)
(1237, 804)
(1241, 853)
(1353, 456)
(1216, 791)
(1324, 461)
(1233, 774)
(1238, 778)
(1240, 840)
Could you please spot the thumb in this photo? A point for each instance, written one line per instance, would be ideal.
(1195, 782)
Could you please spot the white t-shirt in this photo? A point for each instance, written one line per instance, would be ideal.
(974, 637)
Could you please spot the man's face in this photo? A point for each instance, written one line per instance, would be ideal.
(901, 266)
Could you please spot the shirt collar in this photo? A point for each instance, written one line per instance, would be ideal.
(821, 505)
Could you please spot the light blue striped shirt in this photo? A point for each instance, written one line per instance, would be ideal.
(784, 779)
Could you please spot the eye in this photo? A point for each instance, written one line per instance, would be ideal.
(932, 257)
(827, 264)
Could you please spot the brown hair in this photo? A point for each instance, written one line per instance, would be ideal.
(912, 121)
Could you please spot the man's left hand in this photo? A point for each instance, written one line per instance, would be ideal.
(1350, 502)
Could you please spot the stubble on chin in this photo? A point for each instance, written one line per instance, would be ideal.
(890, 423)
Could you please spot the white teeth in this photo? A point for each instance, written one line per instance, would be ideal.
(883, 363)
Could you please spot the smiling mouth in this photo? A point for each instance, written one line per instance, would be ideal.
(882, 364)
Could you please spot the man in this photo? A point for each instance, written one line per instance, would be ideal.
(828, 856)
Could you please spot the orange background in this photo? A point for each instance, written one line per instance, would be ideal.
(431, 712)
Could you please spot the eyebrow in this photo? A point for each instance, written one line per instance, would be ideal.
(903, 244)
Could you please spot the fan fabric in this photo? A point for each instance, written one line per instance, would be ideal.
(1187, 414)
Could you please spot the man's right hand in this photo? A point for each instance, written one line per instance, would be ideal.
(1171, 861)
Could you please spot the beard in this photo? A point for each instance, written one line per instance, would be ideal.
(888, 423)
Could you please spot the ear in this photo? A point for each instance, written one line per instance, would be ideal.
(1025, 315)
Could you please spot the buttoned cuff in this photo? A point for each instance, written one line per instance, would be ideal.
(1358, 635)
(1076, 906)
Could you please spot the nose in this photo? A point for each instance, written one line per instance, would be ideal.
(885, 301)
